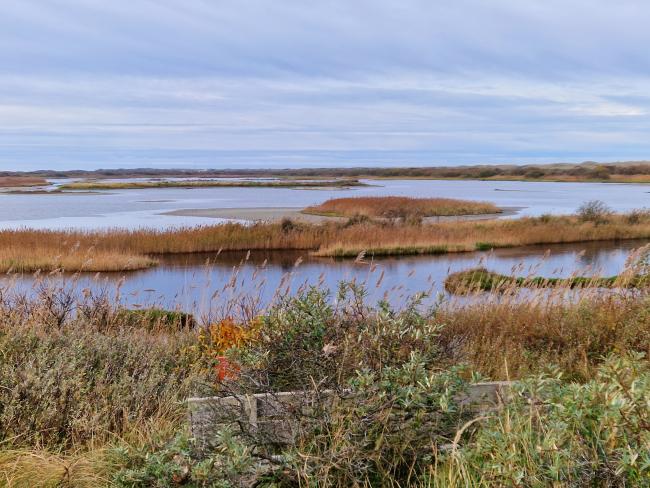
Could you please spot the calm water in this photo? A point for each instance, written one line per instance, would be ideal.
(144, 208)
(206, 283)
(189, 283)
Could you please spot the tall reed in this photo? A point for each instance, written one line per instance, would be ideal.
(126, 249)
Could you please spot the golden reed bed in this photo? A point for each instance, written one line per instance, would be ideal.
(400, 207)
(115, 250)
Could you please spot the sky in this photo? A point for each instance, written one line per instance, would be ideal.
(304, 83)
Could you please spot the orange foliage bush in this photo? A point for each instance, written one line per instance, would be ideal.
(218, 338)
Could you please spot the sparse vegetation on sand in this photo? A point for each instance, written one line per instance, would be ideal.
(400, 207)
(114, 250)
(89, 398)
(206, 183)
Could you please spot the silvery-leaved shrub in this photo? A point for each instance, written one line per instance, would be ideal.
(568, 434)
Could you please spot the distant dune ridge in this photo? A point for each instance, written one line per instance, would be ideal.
(620, 172)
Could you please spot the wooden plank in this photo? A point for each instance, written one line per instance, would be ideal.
(275, 417)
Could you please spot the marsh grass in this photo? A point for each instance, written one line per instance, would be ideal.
(400, 207)
(480, 235)
(118, 249)
(21, 181)
(481, 279)
(48, 257)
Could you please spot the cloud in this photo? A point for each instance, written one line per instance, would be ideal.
(88, 82)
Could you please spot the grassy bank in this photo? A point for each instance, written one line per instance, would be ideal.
(123, 249)
(480, 279)
(453, 237)
(94, 398)
(58, 256)
(132, 185)
(400, 207)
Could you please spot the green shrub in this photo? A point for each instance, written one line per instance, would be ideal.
(306, 340)
(566, 434)
(386, 434)
(67, 379)
(174, 463)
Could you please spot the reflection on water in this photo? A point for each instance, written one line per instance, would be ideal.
(201, 282)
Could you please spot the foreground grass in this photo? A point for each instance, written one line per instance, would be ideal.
(92, 395)
(400, 207)
(131, 185)
(123, 249)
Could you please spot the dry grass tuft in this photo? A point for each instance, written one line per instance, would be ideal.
(511, 338)
(23, 468)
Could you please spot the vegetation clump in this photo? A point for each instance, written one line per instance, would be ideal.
(54, 256)
(481, 279)
(595, 211)
(21, 181)
(401, 208)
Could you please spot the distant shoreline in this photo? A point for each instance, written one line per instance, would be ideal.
(587, 172)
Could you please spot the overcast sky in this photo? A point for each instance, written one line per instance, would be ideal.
(262, 83)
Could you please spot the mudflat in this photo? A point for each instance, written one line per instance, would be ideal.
(253, 214)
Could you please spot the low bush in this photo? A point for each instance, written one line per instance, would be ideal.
(406, 427)
(556, 433)
(306, 340)
(594, 211)
(637, 216)
(69, 378)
